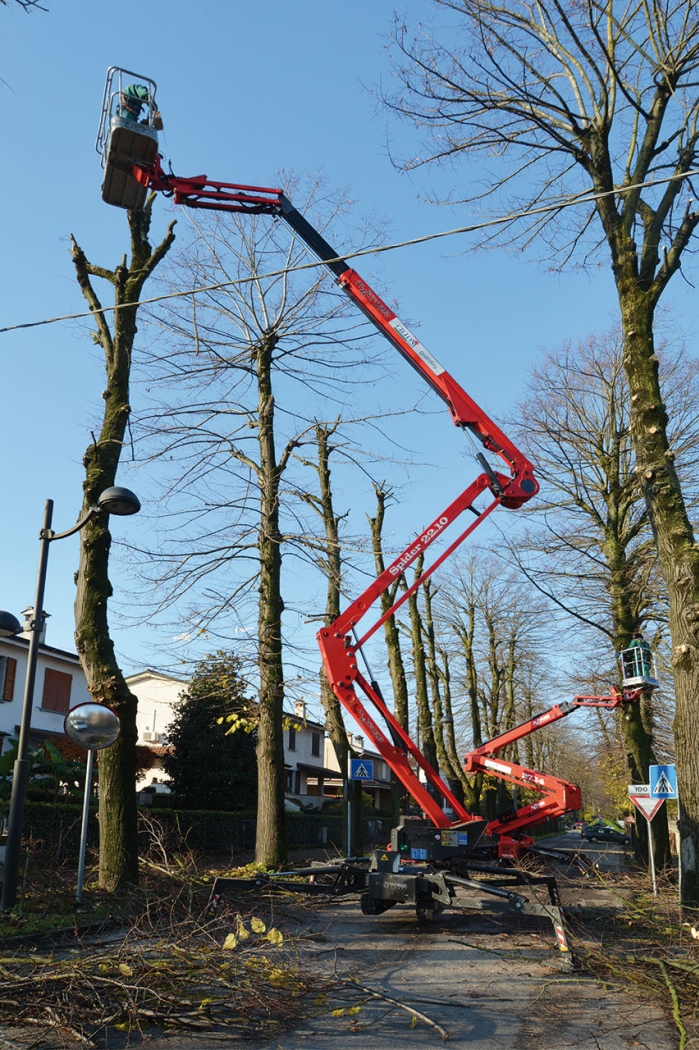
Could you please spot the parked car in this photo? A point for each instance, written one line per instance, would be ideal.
(603, 833)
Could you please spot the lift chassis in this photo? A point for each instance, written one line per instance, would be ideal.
(444, 879)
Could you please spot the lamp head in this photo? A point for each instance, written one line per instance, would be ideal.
(118, 500)
(9, 625)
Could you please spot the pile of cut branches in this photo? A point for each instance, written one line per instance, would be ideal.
(649, 945)
(171, 966)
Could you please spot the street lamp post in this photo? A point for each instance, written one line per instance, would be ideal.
(114, 500)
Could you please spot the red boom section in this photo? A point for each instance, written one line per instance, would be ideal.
(339, 654)
(559, 796)
(338, 650)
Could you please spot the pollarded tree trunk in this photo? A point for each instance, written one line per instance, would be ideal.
(333, 570)
(422, 701)
(118, 860)
(396, 668)
(270, 845)
(678, 554)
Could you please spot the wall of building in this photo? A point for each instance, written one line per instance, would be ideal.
(53, 696)
(157, 694)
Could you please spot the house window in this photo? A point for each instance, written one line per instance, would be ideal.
(292, 738)
(315, 744)
(56, 691)
(8, 673)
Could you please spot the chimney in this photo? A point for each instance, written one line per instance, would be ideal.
(26, 631)
(300, 709)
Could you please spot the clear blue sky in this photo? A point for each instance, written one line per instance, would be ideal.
(245, 90)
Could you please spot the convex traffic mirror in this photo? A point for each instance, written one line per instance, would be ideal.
(92, 726)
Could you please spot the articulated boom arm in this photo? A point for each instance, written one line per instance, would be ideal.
(202, 192)
(511, 489)
(559, 796)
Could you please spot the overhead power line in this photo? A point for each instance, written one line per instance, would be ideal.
(560, 204)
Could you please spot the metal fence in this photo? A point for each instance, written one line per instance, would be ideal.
(55, 828)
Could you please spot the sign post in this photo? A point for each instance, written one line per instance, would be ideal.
(359, 769)
(640, 795)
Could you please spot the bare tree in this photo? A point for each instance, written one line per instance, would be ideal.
(26, 5)
(596, 101)
(593, 552)
(245, 367)
(396, 665)
(494, 643)
(118, 862)
(330, 559)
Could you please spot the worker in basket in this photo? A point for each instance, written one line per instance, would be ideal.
(643, 659)
(132, 100)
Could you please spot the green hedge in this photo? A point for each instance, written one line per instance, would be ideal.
(57, 827)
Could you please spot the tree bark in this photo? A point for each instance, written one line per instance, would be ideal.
(422, 701)
(118, 858)
(678, 552)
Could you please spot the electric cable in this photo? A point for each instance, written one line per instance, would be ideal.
(570, 201)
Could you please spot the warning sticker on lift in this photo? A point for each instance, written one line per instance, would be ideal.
(454, 837)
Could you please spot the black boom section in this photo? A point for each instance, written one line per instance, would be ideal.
(311, 237)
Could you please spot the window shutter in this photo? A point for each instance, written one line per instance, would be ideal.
(56, 696)
(8, 691)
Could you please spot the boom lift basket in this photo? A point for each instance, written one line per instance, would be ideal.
(638, 668)
(127, 136)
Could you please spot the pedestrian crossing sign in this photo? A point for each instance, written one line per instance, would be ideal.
(663, 781)
(361, 769)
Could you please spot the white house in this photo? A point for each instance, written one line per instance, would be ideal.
(313, 774)
(305, 758)
(157, 694)
(378, 787)
(60, 684)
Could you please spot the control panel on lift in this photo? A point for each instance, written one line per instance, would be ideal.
(416, 840)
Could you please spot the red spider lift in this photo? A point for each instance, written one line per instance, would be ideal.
(425, 865)
(558, 796)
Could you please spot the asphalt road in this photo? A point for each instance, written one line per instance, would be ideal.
(610, 856)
